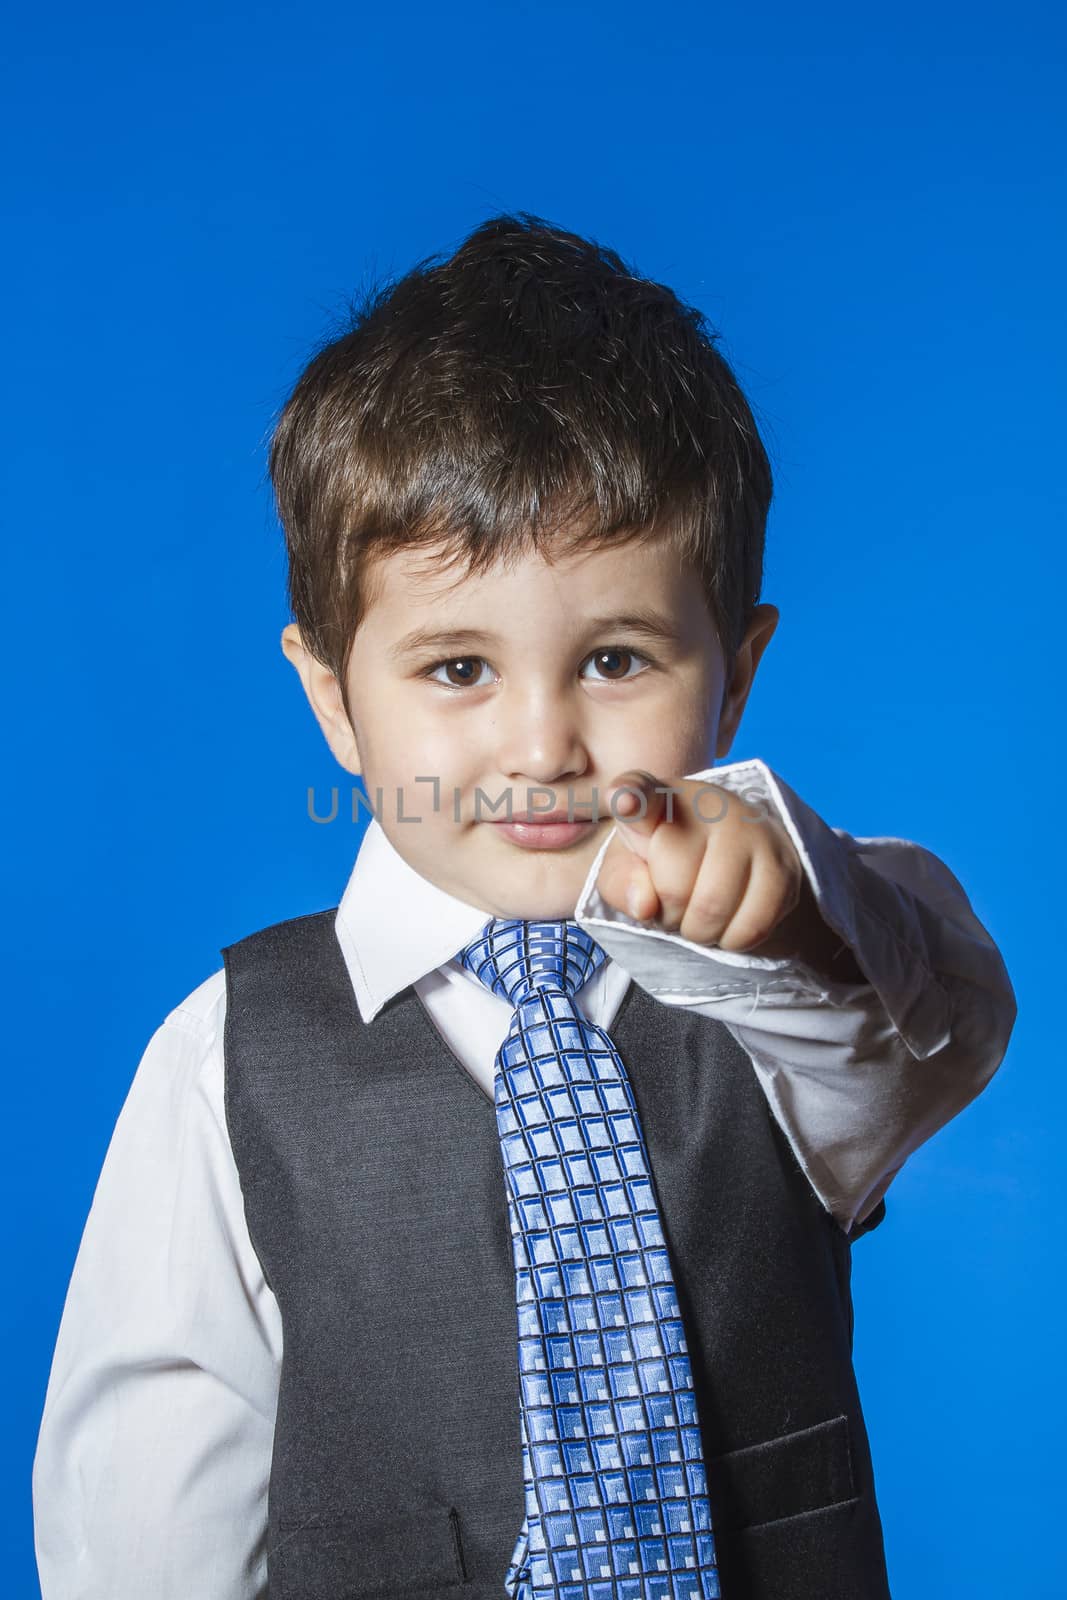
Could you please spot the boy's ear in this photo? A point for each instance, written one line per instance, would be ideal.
(324, 697)
(757, 638)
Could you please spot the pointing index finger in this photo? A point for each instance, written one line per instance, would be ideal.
(638, 804)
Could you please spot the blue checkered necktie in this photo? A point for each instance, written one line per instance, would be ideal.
(616, 1496)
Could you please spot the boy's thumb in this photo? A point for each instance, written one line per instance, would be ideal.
(636, 808)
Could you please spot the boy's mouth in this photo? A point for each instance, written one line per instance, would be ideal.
(561, 815)
(546, 830)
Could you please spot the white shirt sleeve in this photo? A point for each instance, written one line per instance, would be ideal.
(858, 1075)
(152, 1464)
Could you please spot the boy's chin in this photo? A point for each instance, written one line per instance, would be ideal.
(542, 912)
(526, 884)
(550, 902)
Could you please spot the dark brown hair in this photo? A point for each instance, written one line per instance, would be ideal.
(531, 385)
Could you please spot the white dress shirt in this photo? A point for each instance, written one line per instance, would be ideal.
(150, 1479)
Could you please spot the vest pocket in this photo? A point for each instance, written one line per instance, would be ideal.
(808, 1470)
(332, 1557)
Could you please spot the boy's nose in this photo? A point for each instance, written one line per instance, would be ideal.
(540, 739)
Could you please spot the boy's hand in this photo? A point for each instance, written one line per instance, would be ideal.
(716, 869)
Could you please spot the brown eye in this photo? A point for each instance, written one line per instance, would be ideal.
(612, 665)
(462, 672)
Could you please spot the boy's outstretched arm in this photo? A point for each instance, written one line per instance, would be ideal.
(153, 1459)
(874, 1008)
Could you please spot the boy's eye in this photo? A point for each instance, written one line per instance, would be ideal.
(608, 662)
(466, 675)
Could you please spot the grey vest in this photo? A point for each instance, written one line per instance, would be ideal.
(374, 1194)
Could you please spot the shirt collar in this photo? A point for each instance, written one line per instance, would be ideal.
(394, 926)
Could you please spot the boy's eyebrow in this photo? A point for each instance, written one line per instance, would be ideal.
(647, 621)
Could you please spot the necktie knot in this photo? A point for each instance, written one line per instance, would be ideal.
(517, 959)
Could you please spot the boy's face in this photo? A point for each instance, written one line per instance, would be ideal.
(538, 684)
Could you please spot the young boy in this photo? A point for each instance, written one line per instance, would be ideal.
(498, 1220)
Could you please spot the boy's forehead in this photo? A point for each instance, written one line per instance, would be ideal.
(444, 578)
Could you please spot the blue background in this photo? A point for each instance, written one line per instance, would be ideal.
(871, 210)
